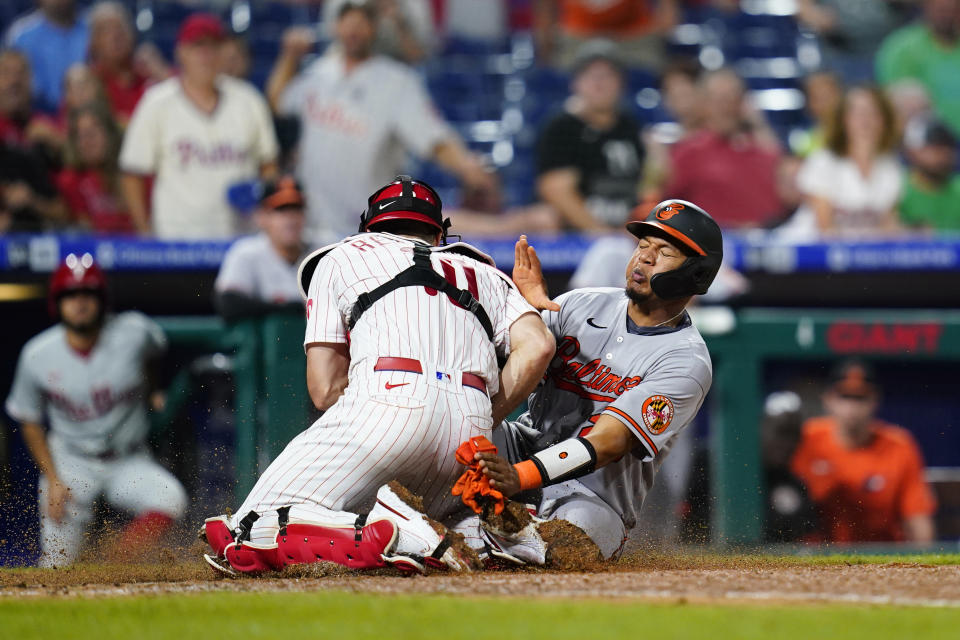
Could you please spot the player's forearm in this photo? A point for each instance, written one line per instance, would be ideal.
(559, 191)
(35, 438)
(133, 190)
(280, 76)
(532, 350)
(327, 367)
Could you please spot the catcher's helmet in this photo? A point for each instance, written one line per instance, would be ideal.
(76, 273)
(690, 226)
(405, 199)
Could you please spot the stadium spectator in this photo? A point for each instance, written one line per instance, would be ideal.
(929, 51)
(680, 88)
(730, 166)
(865, 476)
(405, 28)
(561, 27)
(124, 71)
(259, 273)
(850, 32)
(199, 133)
(235, 60)
(931, 193)
(30, 201)
(590, 156)
(359, 113)
(53, 37)
(823, 91)
(90, 184)
(853, 184)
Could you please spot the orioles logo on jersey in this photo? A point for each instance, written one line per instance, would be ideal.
(592, 380)
(657, 412)
(669, 211)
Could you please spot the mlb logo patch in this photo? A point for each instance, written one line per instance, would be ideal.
(444, 377)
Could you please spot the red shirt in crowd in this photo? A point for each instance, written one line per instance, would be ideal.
(90, 201)
(863, 494)
(123, 92)
(734, 179)
(614, 17)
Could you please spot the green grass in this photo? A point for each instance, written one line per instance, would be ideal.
(252, 615)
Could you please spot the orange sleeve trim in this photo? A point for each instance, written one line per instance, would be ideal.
(643, 434)
(530, 477)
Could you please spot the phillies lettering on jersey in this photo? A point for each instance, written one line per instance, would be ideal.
(652, 380)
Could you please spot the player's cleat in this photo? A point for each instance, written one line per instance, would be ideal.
(220, 566)
(421, 541)
(216, 533)
(524, 547)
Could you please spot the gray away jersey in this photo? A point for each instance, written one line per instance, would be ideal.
(653, 382)
(92, 402)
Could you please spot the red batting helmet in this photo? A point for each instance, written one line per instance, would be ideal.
(405, 199)
(76, 273)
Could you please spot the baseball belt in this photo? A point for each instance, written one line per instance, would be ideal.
(410, 365)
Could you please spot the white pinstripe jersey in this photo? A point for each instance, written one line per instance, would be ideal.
(654, 382)
(412, 322)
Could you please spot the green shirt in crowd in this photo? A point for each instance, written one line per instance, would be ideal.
(938, 209)
(912, 52)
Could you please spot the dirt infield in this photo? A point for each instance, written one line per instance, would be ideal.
(663, 578)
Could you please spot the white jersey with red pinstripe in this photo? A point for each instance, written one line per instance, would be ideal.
(391, 424)
(652, 379)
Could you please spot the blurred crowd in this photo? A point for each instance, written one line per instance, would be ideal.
(100, 133)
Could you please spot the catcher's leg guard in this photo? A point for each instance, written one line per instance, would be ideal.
(360, 547)
(216, 533)
(252, 558)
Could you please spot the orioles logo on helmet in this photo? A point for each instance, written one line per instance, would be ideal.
(669, 211)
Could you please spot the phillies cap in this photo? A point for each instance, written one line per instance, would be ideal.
(853, 378)
(201, 26)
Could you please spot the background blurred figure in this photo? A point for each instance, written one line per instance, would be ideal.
(931, 194)
(81, 393)
(124, 72)
(852, 185)
(90, 184)
(53, 37)
(590, 157)
(30, 200)
(638, 26)
(404, 28)
(199, 133)
(823, 91)
(235, 58)
(359, 114)
(865, 476)
(928, 51)
(850, 32)
(259, 273)
(729, 167)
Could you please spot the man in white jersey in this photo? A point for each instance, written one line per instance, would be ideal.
(359, 113)
(259, 273)
(86, 379)
(199, 133)
(404, 361)
(630, 372)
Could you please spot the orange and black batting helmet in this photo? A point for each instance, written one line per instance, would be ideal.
(687, 225)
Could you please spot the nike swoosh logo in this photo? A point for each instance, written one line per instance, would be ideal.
(394, 386)
(595, 326)
(386, 204)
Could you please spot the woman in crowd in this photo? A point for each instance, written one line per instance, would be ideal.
(852, 185)
(89, 183)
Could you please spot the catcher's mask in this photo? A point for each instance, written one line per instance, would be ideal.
(405, 199)
(693, 229)
(76, 273)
